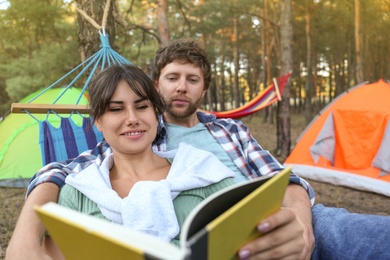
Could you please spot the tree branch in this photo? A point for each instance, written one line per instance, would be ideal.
(180, 7)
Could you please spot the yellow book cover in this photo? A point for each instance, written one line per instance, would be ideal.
(216, 229)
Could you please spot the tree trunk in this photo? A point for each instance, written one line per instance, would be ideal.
(339, 85)
(266, 62)
(358, 47)
(163, 25)
(223, 83)
(268, 43)
(212, 99)
(89, 38)
(236, 65)
(231, 89)
(4, 98)
(216, 87)
(331, 77)
(300, 93)
(283, 122)
(308, 85)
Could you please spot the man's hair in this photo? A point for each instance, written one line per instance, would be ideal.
(105, 83)
(186, 51)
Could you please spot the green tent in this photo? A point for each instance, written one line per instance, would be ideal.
(20, 154)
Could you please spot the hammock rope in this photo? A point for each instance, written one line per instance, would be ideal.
(106, 56)
(69, 139)
(92, 21)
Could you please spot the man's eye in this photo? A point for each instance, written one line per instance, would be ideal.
(194, 80)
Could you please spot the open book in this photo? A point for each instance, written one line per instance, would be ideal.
(215, 229)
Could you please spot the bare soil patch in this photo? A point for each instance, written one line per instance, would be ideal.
(11, 200)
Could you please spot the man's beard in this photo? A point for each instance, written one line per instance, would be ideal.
(181, 114)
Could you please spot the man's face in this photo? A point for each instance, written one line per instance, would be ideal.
(182, 87)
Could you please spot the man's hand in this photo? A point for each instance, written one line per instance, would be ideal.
(287, 234)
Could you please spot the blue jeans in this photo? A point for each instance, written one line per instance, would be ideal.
(343, 235)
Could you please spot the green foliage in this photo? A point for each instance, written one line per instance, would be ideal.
(27, 74)
(38, 45)
(39, 38)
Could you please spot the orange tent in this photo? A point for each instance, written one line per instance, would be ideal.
(348, 143)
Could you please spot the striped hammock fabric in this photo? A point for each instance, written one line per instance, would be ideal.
(68, 140)
(264, 99)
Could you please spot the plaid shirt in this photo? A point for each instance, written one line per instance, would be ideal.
(234, 137)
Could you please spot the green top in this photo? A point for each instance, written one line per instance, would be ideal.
(199, 136)
(183, 203)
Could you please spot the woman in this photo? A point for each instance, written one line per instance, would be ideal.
(136, 186)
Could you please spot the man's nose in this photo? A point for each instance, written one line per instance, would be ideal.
(181, 86)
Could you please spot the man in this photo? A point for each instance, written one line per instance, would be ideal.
(182, 74)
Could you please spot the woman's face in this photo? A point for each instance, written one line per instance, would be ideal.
(129, 124)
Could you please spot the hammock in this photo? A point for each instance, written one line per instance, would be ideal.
(59, 113)
(104, 57)
(264, 99)
(70, 139)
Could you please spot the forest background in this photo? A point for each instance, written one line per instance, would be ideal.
(328, 45)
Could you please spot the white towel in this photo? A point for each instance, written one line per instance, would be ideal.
(149, 207)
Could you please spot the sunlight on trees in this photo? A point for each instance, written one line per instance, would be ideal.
(39, 43)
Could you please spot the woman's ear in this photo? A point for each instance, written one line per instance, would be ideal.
(98, 126)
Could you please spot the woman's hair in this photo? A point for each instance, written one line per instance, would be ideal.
(186, 51)
(105, 83)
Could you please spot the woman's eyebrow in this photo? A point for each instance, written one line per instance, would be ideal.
(136, 101)
(116, 102)
(140, 100)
